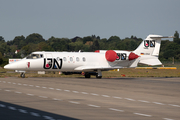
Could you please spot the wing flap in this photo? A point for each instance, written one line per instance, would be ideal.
(81, 68)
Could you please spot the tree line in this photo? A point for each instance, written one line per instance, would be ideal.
(36, 42)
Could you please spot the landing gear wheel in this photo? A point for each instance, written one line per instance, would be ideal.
(99, 77)
(99, 74)
(22, 75)
(87, 75)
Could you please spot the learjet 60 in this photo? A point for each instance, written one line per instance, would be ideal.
(91, 63)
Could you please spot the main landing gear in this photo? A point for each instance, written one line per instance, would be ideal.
(87, 75)
(98, 74)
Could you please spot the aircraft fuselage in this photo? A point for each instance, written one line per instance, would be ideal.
(69, 61)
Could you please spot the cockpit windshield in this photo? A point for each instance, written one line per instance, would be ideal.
(34, 56)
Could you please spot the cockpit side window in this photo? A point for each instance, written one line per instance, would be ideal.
(34, 56)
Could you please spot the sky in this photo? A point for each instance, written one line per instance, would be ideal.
(104, 18)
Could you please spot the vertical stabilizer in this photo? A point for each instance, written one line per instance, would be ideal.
(149, 49)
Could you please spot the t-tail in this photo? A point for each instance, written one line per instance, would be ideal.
(148, 50)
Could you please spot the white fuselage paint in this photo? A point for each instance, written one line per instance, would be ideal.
(71, 61)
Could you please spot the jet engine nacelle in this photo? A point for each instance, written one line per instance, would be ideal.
(111, 56)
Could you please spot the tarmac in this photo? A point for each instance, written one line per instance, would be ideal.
(89, 99)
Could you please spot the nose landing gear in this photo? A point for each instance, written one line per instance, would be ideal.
(22, 75)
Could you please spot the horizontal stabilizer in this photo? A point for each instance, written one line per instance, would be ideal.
(156, 37)
(154, 61)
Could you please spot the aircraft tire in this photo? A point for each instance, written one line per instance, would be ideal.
(87, 75)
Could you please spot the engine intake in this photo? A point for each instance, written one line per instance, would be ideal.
(111, 55)
(132, 56)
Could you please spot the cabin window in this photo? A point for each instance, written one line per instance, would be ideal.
(64, 58)
(77, 59)
(71, 59)
(34, 56)
(84, 59)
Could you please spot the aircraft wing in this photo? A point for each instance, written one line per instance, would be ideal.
(81, 68)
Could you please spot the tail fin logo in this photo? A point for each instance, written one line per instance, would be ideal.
(146, 43)
(149, 43)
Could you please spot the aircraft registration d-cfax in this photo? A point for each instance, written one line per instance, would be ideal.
(91, 63)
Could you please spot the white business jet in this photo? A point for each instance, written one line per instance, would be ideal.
(91, 63)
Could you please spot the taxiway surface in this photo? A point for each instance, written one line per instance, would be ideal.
(89, 99)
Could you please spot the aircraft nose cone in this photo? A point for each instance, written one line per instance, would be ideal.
(10, 66)
(6, 66)
(132, 56)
